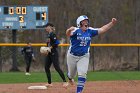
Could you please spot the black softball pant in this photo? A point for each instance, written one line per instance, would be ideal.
(28, 60)
(52, 58)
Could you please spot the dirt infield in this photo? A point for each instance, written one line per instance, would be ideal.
(90, 87)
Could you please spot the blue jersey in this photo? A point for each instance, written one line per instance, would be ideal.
(80, 41)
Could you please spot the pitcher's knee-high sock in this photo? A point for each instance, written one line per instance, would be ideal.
(80, 85)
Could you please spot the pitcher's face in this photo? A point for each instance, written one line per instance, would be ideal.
(48, 29)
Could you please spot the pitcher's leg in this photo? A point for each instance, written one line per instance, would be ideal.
(56, 65)
(48, 63)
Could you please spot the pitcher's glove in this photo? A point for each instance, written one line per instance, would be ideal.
(45, 50)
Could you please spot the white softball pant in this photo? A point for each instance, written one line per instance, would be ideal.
(77, 64)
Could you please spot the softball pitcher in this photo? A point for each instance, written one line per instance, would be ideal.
(53, 56)
(78, 53)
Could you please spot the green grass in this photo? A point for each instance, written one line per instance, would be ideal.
(107, 76)
(19, 77)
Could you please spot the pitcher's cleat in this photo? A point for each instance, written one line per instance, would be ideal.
(49, 85)
(65, 84)
(71, 81)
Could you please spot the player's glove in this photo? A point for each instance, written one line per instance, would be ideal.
(45, 50)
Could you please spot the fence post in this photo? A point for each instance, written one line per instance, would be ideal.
(0, 60)
(93, 59)
(14, 51)
(138, 60)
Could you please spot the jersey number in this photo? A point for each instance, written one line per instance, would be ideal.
(83, 43)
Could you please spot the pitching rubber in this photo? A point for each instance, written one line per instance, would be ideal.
(37, 87)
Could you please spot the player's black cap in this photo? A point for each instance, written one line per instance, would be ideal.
(49, 24)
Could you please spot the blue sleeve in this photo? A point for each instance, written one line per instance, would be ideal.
(94, 31)
(54, 41)
(74, 32)
(57, 42)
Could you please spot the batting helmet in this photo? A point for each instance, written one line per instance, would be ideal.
(81, 18)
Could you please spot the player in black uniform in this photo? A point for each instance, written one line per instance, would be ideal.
(52, 57)
(29, 57)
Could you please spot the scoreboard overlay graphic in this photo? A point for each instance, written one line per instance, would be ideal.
(23, 17)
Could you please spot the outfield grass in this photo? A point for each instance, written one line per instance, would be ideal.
(107, 76)
(19, 77)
